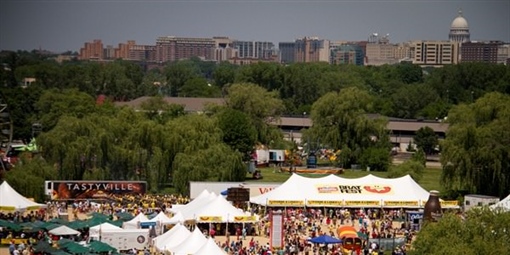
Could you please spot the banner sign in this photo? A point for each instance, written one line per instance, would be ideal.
(7, 208)
(276, 230)
(62, 190)
(147, 224)
(363, 203)
(245, 218)
(415, 216)
(210, 219)
(446, 204)
(324, 203)
(286, 203)
(402, 203)
(366, 189)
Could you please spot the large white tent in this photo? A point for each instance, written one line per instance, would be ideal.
(218, 210)
(171, 238)
(503, 205)
(95, 231)
(191, 244)
(331, 190)
(160, 218)
(11, 200)
(135, 222)
(177, 218)
(210, 248)
(63, 231)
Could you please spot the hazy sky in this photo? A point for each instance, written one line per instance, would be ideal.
(60, 25)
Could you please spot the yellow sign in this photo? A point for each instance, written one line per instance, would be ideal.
(451, 203)
(245, 219)
(401, 203)
(7, 208)
(6, 241)
(366, 189)
(324, 203)
(210, 219)
(363, 203)
(286, 203)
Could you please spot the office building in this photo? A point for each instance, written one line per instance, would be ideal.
(435, 53)
(485, 52)
(286, 52)
(254, 49)
(311, 49)
(223, 49)
(347, 54)
(172, 48)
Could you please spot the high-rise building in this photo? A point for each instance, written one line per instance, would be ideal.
(347, 54)
(146, 53)
(254, 49)
(459, 30)
(171, 48)
(92, 51)
(486, 52)
(286, 52)
(122, 52)
(435, 53)
(311, 49)
(504, 54)
(379, 51)
(223, 49)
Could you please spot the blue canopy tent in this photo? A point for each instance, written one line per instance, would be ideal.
(325, 239)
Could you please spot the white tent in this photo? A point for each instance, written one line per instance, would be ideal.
(191, 244)
(177, 218)
(210, 248)
(95, 231)
(503, 205)
(63, 231)
(135, 222)
(11, 200)
(160, 218)
(171, 238)
(219, 210)
(201, 199)
(368, 191)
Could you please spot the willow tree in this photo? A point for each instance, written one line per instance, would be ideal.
(261, 105)
(475, 153)
(340, 121)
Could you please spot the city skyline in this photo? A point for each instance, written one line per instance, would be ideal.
(58, 25)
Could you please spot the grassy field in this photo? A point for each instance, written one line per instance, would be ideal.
(429, 181)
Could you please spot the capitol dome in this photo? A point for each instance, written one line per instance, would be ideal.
(459, 30)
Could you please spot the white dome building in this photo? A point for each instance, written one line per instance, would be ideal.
(459, 30)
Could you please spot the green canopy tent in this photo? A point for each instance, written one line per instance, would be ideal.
(124, 216)
(75, 248)
(10, 225)
(60, 252)
(44, 247)
(100, 247)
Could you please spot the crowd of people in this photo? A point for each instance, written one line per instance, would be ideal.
(300, 225)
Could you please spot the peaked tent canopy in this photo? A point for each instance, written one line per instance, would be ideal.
(135, 222)
(210, 248)
(177, 218)
(219, 210)
(172, 238)
(63, 231)
(11, 200)
(191, 244)
(368, 191)
(161, 218)
(503, 205)
(95, 231)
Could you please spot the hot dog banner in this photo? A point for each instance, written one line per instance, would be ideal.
(210, 219)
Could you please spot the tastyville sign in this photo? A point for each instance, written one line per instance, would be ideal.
(61, 190)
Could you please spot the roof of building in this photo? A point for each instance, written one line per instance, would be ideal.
(191, 104)
(460, 22)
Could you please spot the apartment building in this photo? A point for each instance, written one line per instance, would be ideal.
(347, 54)
(254, 49)
(485, 52)
(92, 51)
(223, 49)
(436, 53)
(172, 48)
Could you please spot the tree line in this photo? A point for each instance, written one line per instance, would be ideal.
(163, 144)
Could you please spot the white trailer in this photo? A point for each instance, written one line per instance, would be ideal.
(125, 239)
(474, 200)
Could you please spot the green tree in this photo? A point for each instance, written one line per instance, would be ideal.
(475, 151)
(199, 87)
(177, 74)
(426, 139)
(237, 131)
(157, 109)
(261, 106)
(340, 121)
(410, 167)
(483, 231)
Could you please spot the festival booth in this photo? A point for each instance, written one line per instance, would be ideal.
(12, 201)
(335, 191)
(95, 231)
(158, 222)
(135, 223)
(503, 205)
